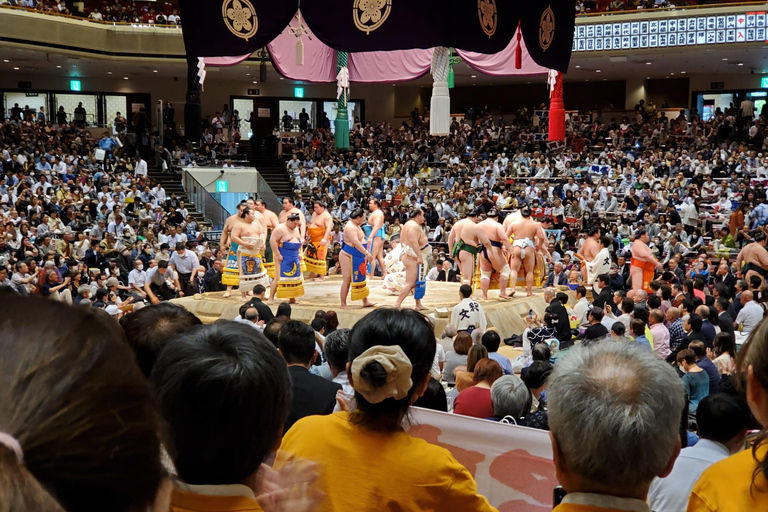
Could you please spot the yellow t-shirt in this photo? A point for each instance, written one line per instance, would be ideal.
(362, 470)
(727, 485)
(184, 501)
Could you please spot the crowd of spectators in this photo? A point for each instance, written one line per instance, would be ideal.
(150, 13)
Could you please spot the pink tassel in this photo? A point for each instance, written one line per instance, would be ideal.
(519, 49)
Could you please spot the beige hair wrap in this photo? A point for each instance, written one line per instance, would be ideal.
(395, 363)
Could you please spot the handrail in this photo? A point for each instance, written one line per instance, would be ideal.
(670, 8)
(204, 202)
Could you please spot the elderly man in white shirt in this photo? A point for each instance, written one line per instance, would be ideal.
(751, 314)
(187, 264)
(140, 169)
(137, 278)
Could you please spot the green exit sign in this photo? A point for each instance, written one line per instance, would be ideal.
(221, 186)
(764, 82)
(298, 92)
(74, 85)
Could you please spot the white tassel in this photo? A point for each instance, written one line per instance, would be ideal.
(299, 52)
(440, 104)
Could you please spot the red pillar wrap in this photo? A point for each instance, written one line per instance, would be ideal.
(557, 111)
(519, 49)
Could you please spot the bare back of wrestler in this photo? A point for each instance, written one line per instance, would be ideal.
(753, 259)
(589, 250)
(465, 242)
(529, 237)
(413, 238)
(495, 258)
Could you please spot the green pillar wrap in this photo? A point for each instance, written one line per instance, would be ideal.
(341, 122)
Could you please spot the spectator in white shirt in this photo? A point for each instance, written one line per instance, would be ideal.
(140, 169)
(750, 315)
(137, 278)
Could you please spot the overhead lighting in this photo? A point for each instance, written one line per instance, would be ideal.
(725, 58)
(647, 63)
(473, 76)
(682, 72)
(6, 60)
(125, 78)
(154, 71)
(109, 72)
(647, 78)
(740, 64)
(393, 85)
(255, 82)
(577, 67)
(15, 69)
(58, 67)
(247, 74)
(598, 71)
(281, 78)
(672, 74)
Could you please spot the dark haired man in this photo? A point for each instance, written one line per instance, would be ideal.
(468, 315)
(311, 394)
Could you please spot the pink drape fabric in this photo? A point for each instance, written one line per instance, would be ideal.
(376, 67)
(503, 63)
(394, 66)
(319, 59)
(225, 61)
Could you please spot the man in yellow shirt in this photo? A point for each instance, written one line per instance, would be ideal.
(614, 418)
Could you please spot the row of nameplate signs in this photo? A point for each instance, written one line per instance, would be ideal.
(663, 33)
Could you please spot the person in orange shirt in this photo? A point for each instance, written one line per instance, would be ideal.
(614, 418)
(367, 461)
(739, 482)
(225, 392)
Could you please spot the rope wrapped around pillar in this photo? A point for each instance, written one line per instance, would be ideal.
(440, 105)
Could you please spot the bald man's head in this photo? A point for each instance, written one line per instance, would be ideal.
(746, 296)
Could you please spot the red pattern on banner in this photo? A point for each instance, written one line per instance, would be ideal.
(508, 467)
(467, 458)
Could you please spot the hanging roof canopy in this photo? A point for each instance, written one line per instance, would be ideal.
(240, 27)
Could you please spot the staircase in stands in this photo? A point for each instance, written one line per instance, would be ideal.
(271, 168)
(172, 184)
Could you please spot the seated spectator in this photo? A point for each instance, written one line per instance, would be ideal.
(542, 332)
(465, 376)
(596, 329)
(722, 421)
(695, 379)
(336, 350)
(634, 415)
(390, 355)
(491, 341)
(434, 397)
(476, 400)
(79, 431)
(150, 329)
(311, 394)
(638, 332)
(702, 361)
(511, 403)
(225, 394)
(724, 353)
(462, 343)
(739, 481)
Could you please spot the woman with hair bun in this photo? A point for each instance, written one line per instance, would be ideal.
(367, 460)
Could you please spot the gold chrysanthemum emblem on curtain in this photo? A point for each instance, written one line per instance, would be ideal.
(486, 11)
(240, 18)
(546, 28)
(370, 14)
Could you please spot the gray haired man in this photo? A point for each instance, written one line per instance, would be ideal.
(614, 417)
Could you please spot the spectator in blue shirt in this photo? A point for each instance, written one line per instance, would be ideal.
(491, 341)
(43, 165)
(638, 331)
(703, 362)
